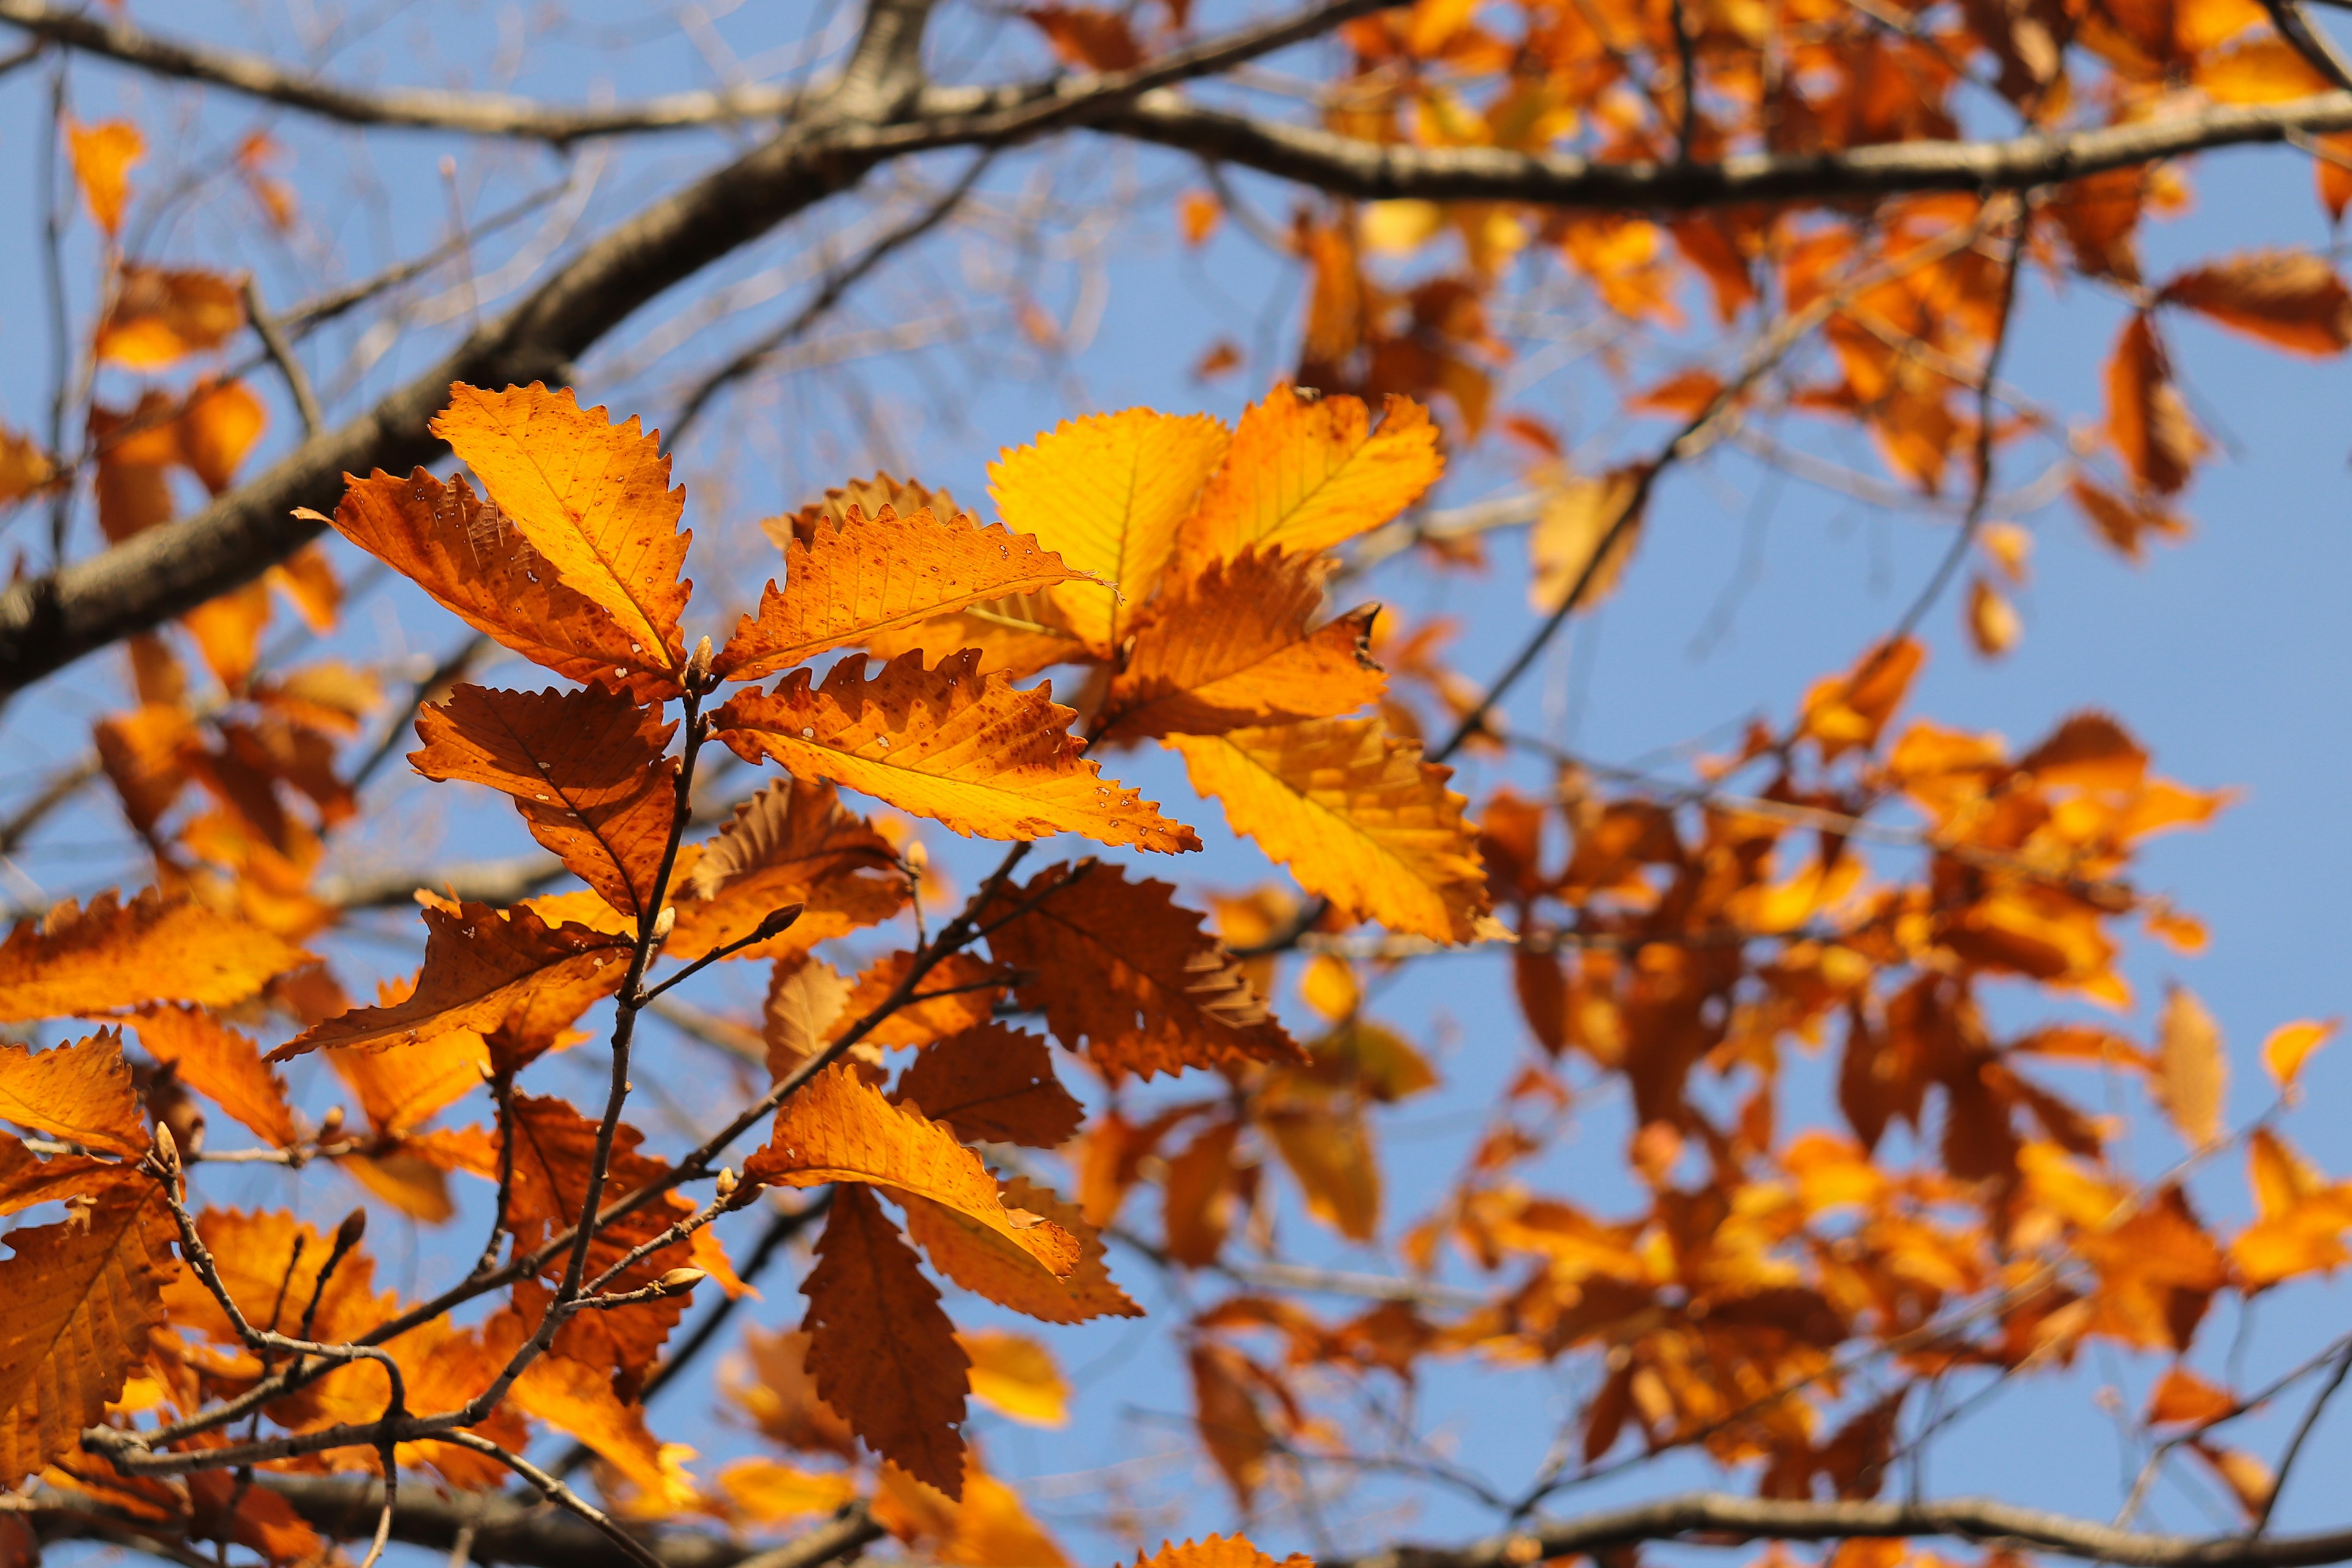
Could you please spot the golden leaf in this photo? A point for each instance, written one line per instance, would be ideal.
(1305, 472)
(2192, 1069)
(1579, 515)
(2291, 1045)
(111, 954)
(1014, 1375)
(221, 1064)
(981, 1259)
(968, 750)
(590, 495)
(81, 1092)
(792, 843)
(769, 1491)
(1358, 817)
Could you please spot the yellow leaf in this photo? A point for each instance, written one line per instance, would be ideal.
(1578, 516)
(221, 1064)
(1328, 985)
(838, 1128)
(81, 1093)
(868, 576)
(159, 317)
(113, 954)
(1358, 817)
(2291, 1045)
(1015, 1375)
(1217, 1552)
(1107, 493)
(2192, 1069)
(982, 1260)
(1232, 648)
(24, 466)
(768, 1492)
(591, 496)
(103, 156)
(80, 1299)
(1308, 471)
(969, 751)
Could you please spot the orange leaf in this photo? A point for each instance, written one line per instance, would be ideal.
(401, 1088)
(590, 495)
(80, 1299)
(2291, 1045)
(159, 317)
(2249, 1479)
(1993, 626)
(2146, 418)
(2123, 524)
(270, 1264)
(792, 843)
(2192, 1069)
(113, 954)
(957, 994)
(81, 1092)
(768, 1492)
(588, 771)
(103, 156)
(805, 998)
(2181, 1396)
(967, 750)
(1236, 1434)
(24, 466)
(1232, 648)
(472, 559)
(25, 1180)
(1217, 1552)
(483, 970)
(1087, 37)
(2289, 298)
(1330, 1151)
(221, 1064)
(1358, 817)
(1118, 967)
(871, 576)
(1015, 1375)
(983, 1261)
(1577, 516)
(837, 1128)
(992, 1085)
(1107, 493)
(1307, 472)
(880, 1350)
(578, 1398)
(1844, 711)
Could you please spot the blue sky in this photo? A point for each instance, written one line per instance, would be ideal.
(2226, 655)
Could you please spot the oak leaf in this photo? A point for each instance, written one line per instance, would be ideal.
(1357, 816)
(591, 496)
(792, 843)
(992, 1085)
(81, 1298)
(2289, 298)
(1119, 968)
(221, 1064)
(111, 954)
(480, 567)
(1106, 494)
(159, 316)
(876, 575)
(982, 1260)
(880, 1350)
(81, 1093)
(838, 1128)
(1305, 472)
(969, 751)
(956, 994)
(483, 970)
(588, 770)
(1232, 648)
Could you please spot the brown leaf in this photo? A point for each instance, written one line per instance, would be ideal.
(2148, 419)
(1232, 1430)
(792, 843)
(1087, 37)
(993, 1085)
(588, 770)
(2124, 524)
(1119, 968)
(880, 1350)
(2289, 298)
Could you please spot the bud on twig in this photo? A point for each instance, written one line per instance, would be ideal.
(777, 921)
(727, 1182)
(330, 1123)
(664, 922)
(167, 1148)
(681, 1280)
(698, 668)
(347, 1234)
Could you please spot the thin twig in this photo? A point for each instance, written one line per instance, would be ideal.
(281, 354)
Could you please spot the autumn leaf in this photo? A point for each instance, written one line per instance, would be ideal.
(588, 770)
(880, 1350)
(2181, 1396)
(806, 998)
(578, 1398)
(1578, 515)
(591, 496)
(2289, 298)
(837, 1128)
(2192, 1068)
(81, 1092)
(2291, 1045)
(1106, 493)
(1118, 968)
(982, 1260)
(1329, 1150)
(1232, 648)
(159, 316)
(792, 843)
(1235, 1432)
(271, 1265)
(25, 468)
(2126, 524)
(103, 156)
(1014, 1375)
(768, 1492)
(872, 576)
(81, 1298)
(25, 1179)
(1087, 37)
(477, 565)
(968, 750)
(1307, 471)
(1216, 1552)
(1993, 623)
(992, 1085)
(221, 1064)
(1358, 817)
(958, 993)
(402, 1087)
(483, 970)
(2148, 419)
(111, 955)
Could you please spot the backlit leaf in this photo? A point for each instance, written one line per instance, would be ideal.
(2291, 1045)
(1578, 515)
(969, 751)
(588, 770)
(80, 1093)
(792, 843)
(159, 316)
(982, 1260)
(221, 1064)
(1216, 1552)
(2289, 298)
(1014, 1375)
(103, 156)
(2192, 1068)
(2148, 419)
(1121, 970)
(111, 954)
(1307, 471)
(992, 1085)
(878, 574)
(591, 496)
(1358, 817)
(880, 1350)
(956, 994)
(768, 1492)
